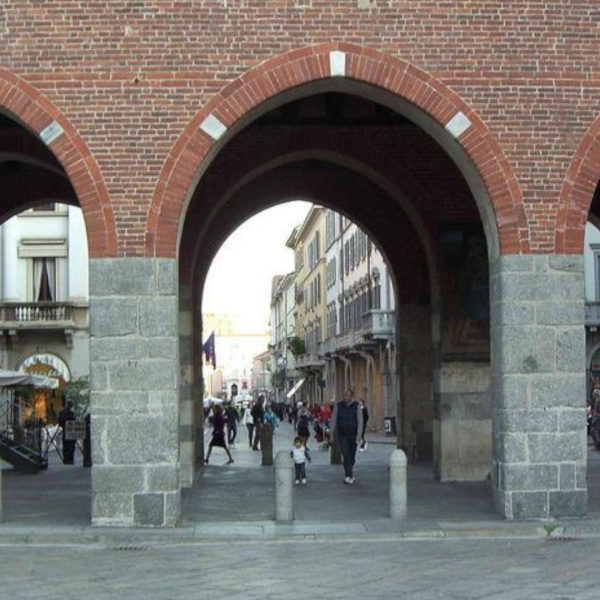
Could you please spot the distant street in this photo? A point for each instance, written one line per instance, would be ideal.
(365, 569)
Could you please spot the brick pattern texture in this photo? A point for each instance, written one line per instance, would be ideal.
(130, 84)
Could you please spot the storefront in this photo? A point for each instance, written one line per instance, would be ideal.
(45, 404)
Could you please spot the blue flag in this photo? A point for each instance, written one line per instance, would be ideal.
(208, 348)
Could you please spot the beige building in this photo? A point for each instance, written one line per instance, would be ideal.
(344, 309)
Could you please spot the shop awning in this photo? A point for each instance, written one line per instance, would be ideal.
(8, 378)
(295, 388)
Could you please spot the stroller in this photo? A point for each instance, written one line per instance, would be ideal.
(322, 437)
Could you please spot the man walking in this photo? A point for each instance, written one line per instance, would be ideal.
(258, 413)
(346, 426)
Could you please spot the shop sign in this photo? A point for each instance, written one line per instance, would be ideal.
(75, 430)
(49, 365)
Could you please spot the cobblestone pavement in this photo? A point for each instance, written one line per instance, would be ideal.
(370, 569)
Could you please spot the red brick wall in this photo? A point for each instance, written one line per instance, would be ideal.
(131, 76)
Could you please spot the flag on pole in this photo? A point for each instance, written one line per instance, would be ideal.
(208, 348)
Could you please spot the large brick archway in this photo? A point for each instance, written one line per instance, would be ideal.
(577, 193)
(36, 112)
(311, 64)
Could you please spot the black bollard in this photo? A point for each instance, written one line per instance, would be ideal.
(266, 444)
(336, 453)
(87, 442)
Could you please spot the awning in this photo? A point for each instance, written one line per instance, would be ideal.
(295, 388)
(8, 378)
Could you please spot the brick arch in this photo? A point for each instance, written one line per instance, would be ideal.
(311, 64)
(36, 112)
(577, 193)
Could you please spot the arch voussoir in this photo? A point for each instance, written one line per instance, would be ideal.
(29, 106)
(306, 65)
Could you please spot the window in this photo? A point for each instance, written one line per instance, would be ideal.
(44, 280)
(329, 228)
(377, 295)
(347, 257)
(45, 207)
(299, 262)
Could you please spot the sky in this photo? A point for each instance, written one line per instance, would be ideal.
(239, 279)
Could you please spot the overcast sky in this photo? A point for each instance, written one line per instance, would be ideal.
(239, 280)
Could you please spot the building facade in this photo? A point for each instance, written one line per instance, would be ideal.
(283, 329)
(466, 142)
(44, 292)
(351, 299)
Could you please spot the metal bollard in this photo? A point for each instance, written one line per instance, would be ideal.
(398, 495)
(284, 498)
(336, 454)
(266, 444)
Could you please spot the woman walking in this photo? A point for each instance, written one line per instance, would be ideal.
(218, 435)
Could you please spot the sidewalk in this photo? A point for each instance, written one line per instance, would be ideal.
(236, 503)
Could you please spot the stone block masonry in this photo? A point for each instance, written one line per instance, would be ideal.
(135, 392)
(538, 386)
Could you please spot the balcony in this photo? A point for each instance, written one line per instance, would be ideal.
(592, 314)
(308, 361)
(379, 324)
(18, 317)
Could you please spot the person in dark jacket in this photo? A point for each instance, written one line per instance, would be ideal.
(231, 418)
(258, 413)
(346, 426)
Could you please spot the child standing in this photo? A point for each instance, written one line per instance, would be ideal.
(300, 455)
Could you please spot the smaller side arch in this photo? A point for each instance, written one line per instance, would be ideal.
(577, 193)
(36, 113)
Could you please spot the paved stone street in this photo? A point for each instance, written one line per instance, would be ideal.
(503, 569)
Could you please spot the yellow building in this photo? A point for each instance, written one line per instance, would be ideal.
(307, 241)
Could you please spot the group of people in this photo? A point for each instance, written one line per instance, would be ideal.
(224, 422)
(346, 421)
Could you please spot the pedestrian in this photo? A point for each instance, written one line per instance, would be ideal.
(248, 421)
(346, 426)
(66, 415)
(218, 435)
(258, 412)
(231, 420)
(300, 455)
(303, 427)
(365, 414)
(271, 417)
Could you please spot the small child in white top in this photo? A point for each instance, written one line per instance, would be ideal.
(300, 455)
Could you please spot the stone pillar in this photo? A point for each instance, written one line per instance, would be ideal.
(284, 497)
(463, 433)
(135, 404)
(416, 411)
(538, 386)
(190, 415)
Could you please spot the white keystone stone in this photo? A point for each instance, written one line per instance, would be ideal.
(213, 127)
(51, 133)
(337, 63)
(458, 124)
